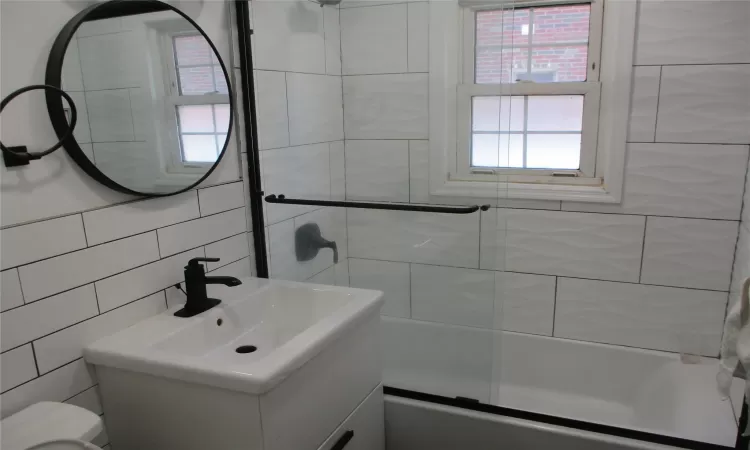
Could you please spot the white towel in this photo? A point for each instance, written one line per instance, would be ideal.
(735, 346)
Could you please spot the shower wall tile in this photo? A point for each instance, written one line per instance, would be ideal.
(693, 32)
(337, 159)
(336, 275)
(289, 36)
(684, 180)
(40, 240)
(297, 172)
(390, 277)
(315, 108)
(418, 39)
(643, 104)
(110, 116)
(377, 170)
(705, 104)
(419, 171)
(636, 315)
(331, 22)
(599, 246)
(273, 118)
(103, 68)
(689, 252)
(402, 106)
(11, 295)
(420, 237)
(374, 40)
(524, 303)
(437, 358)
(453, 295)
(282, 262)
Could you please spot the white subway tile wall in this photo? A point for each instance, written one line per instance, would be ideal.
(80, 261)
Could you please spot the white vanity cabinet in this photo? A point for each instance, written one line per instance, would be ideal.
(181, 385)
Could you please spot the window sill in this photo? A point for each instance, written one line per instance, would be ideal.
(526, 191)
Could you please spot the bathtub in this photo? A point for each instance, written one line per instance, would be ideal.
(628, 388)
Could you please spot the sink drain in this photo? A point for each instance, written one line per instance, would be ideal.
(246, 349)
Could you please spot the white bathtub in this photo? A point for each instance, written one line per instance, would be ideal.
(624, 387)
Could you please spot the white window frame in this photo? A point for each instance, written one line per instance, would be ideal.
(173, 99)
(606, 107)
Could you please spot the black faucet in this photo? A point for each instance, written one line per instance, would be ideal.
(195, 288)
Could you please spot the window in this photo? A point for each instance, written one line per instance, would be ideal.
(199, 98)
(548, 55)
(531, 94)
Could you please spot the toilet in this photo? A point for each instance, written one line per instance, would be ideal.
(50, 426)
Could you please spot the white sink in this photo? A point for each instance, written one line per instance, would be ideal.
(287, 323)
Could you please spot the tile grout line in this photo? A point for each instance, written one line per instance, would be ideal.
(554, 307)
(643, 250)
(658, 101)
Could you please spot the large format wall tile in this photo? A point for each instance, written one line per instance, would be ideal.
(315, 108)
(453, 295)
(741, 269)
(705, 104)
(297, 172)
(289, 36)
(684, 180)
(655, 317)
(35, 241)
(333, 41)
(419, 23)
(386, 106)
(524, 303)
(107, 224)
(643, 104)
(419, 171)
(377, 170)
(437, 358)
(64, 272)
(600, 246)
(273, 118)
(337, 160)
(110, 115)
(390, 277)
(374, 40)
(445, 239)
(693, 32)
(689, 252)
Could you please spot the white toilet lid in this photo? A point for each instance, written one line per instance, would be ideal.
(49, 421)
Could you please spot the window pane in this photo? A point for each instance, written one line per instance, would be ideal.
(196, 80)
(553, 151)
(196, 119)
(560, 63)
(222, 117)
(192, 50)
(561, 24)
(500, 65)
(555, 112)
(221, 81)
(505, 28)
(220, 140)
(497, 113)
(199, 147)
(497, 150)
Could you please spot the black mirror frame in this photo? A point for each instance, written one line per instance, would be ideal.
(53, 77)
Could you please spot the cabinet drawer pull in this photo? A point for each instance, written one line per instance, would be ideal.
(343, 440)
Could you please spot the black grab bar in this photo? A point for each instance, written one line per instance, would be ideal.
(367, 205)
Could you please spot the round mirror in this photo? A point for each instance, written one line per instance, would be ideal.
(153, 96)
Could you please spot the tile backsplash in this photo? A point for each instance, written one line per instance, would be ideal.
(80, 261)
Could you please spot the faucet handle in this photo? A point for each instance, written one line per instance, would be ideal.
(196, 261)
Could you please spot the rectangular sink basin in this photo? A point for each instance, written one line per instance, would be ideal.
(261, 332)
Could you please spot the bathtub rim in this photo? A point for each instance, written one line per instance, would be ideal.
(531, 416)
